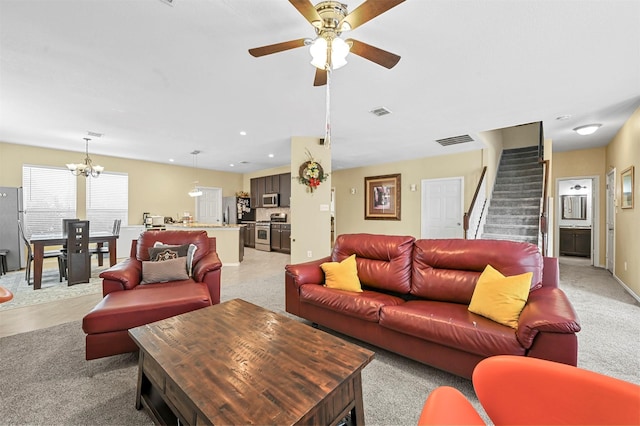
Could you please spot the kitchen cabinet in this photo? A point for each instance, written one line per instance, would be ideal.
(257, 190)
(273, 184)
(575, 242)
(285, 189)
(250, 235)
(285, 238)
(281, 237)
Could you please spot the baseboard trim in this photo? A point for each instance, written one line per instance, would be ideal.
(627, 289)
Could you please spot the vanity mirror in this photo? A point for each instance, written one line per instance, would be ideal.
(574, 207)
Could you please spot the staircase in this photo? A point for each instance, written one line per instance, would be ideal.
(514, 211)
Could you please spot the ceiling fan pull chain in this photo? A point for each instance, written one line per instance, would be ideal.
(327, 135)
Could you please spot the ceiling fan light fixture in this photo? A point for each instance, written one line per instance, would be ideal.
(318, 52)
(588, 129)
(339, 52)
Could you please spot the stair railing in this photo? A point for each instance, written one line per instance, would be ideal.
(543, 211)
(468, 214)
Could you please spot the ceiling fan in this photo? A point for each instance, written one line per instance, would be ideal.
(330, 19)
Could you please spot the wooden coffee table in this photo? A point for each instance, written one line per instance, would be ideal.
(237, 363)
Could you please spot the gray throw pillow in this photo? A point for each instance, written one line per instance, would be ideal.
(165, 270)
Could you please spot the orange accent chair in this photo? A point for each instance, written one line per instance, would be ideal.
(5, 294)
(517, 390)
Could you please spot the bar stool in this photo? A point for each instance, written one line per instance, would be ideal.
(3, 261)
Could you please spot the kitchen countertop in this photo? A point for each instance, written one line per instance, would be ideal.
(204, 225)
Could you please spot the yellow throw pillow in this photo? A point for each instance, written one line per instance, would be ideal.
(500, 298)
(342, 275)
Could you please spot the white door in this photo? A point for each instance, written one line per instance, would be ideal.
(610, 219)
(209, 206)
(442, 208)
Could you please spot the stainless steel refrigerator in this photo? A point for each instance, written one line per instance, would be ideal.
(10, 213)
(237, 209)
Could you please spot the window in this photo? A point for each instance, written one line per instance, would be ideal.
(107, 200)
(48, 196)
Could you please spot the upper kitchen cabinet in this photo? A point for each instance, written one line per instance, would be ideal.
(285, 189)
(273, 184)
(257, 190)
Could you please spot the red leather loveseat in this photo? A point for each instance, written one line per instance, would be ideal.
(127, 303)
(416, 294)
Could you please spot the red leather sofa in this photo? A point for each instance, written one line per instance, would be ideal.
(127, 304)
(416, 294)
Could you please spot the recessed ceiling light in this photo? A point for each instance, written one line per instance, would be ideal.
(243, 133)
(171, 160)
(271, 155)
(587, 129)
(563, 117)
(231, 165)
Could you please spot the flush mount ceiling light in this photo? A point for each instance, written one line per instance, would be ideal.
(86, 168)
(195, 192)
(587, 129)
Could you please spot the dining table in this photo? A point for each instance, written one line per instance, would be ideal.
(40, 241)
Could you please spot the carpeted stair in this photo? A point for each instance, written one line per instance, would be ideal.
(514, 211)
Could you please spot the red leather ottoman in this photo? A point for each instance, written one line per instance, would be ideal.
(107, 324)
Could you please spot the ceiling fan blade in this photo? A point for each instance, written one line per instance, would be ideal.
(321, 77)
(367, 11)
(275, 48)
(307, 10)
(372, 53)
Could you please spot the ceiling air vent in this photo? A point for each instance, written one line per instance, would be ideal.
(455, 140)
(380, 111)
(94, 134)
(169, 2)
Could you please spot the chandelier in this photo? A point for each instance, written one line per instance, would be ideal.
(87, 168)
(195, 192)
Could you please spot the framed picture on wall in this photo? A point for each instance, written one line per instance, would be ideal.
(382, 197)
(626, 188)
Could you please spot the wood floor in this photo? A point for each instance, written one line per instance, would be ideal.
(29, 318)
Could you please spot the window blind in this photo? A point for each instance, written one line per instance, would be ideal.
(107, 200)
(48, 196)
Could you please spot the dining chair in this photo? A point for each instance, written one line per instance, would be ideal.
(101, 251)
(78, 258)
(47, 255)
(64, 246)
(3, 261)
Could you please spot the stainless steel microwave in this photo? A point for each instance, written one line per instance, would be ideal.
(270, 200)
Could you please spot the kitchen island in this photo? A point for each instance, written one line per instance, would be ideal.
(229, 239)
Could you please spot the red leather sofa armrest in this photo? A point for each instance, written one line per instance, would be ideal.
(208, 270)
(121, 276)
(211, 262)
(306, 273)
(547, 310)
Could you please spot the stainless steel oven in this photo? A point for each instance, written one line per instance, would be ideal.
(263, 236)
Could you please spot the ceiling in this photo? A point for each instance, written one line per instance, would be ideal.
(159, 80)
